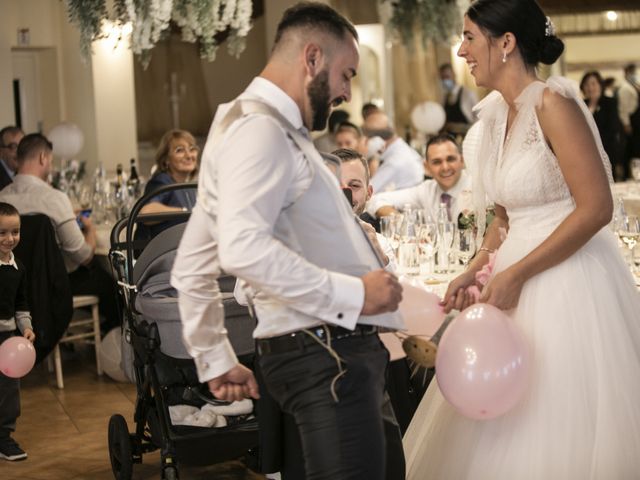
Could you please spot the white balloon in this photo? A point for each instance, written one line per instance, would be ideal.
(110, 355)
(428, 117)
(67, 140)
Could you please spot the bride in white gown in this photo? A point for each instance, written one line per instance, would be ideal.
(558, 274)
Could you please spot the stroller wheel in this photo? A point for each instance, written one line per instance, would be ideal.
(170, 473)
(120, 448)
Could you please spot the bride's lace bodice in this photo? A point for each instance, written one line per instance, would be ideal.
(517, 169)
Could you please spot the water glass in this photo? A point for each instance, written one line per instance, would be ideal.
(446, 233)
(465, 245)
(409, 257)
(427, 242)
(387, 226)
(635, 169)
(628, 230)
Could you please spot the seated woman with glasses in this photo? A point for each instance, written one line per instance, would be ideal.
(176, 162)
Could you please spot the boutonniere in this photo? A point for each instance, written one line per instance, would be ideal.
(467, 218)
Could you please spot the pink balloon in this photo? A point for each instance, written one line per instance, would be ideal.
(482, 365)
(17, 357)
(394, 345)
(420, 309)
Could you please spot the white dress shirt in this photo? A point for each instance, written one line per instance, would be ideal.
(248, 177)
(427, 196)
(400, 167)
(627, 102)
(11, 262)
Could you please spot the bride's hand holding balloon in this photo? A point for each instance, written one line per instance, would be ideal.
(458, 296)
(503, 291)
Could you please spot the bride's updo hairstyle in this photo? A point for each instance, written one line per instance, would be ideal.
(536, 39)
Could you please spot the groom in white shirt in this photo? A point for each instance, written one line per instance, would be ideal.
(270, 213)
(450, 184)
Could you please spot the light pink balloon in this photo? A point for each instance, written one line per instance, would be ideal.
(420, 309)
(483, 362)
(17, 357)
(394, 345)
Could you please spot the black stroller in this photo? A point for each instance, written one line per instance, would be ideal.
(155, 357)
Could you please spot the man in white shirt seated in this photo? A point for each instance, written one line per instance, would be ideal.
(30, 193)
(400, 165)
(450, 184)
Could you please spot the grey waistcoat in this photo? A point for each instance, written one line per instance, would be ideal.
(319, 225)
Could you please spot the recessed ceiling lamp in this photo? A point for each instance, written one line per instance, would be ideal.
(612, 16)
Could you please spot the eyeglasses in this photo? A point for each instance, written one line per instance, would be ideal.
(11, 146)
(192, 149)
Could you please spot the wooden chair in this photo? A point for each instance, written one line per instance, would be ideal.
(80, 329)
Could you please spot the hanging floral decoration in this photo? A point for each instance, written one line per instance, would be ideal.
(88, 16)
(208, 22)
(435, 20)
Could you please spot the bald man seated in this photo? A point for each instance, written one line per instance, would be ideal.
(400, 165)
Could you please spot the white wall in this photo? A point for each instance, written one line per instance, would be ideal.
(607, 53)
(97, 96)
(114, 98)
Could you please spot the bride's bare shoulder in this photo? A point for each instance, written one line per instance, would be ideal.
(555, 108)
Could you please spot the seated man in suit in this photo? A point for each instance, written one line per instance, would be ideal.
(9, 139)
(30, 193)
(450, 184)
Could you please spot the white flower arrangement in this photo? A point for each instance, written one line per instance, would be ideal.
(205, 21)
(148, 20)
(434, 20)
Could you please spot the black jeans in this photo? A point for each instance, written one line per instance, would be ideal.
(9, 398)
(343, 440)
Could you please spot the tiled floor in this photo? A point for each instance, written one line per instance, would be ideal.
(65, 431)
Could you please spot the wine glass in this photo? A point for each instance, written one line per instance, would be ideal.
(635, 169)
(427, 241)
(387, 227)
(408, 252)
(85, 197)
(446, 233)
(465, 245)
(628, 230)
(390, 228)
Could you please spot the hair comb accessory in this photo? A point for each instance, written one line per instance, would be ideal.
(549, 28)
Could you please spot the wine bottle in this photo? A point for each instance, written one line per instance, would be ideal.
(133, 182)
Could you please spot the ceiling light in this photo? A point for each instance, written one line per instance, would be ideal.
(612, 16)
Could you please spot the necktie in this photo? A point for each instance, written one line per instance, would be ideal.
(446, 199)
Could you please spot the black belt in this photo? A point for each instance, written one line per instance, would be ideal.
(299, 340)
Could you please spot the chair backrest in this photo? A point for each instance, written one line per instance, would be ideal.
(49, 292)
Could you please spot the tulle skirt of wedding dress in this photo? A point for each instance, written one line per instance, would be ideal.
(580, 418)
